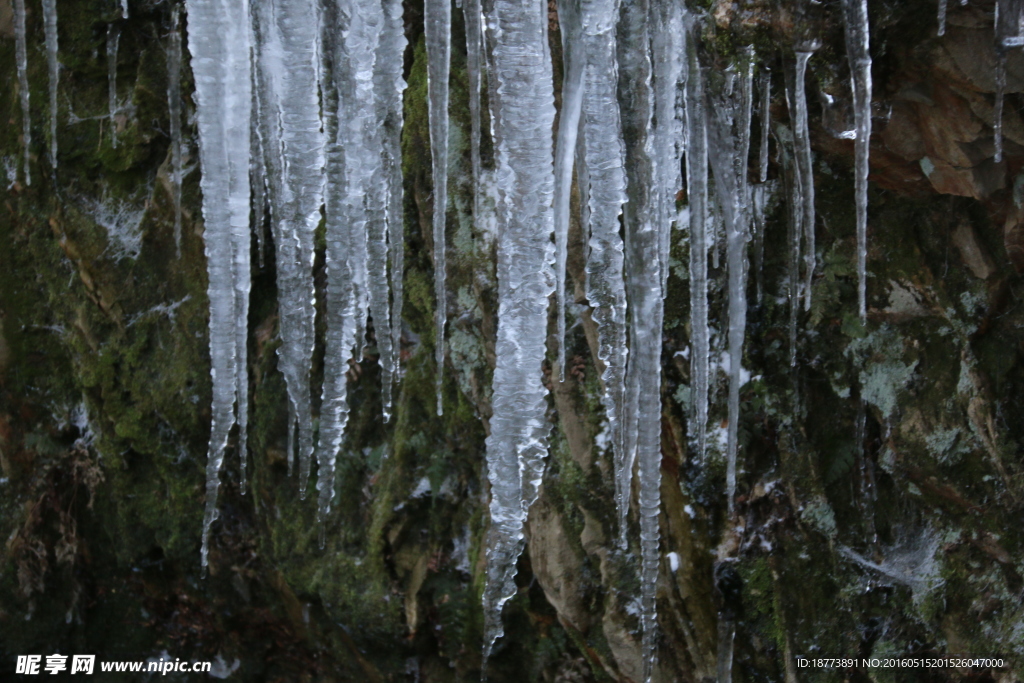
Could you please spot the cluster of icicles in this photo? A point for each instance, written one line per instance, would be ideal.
(299, 111)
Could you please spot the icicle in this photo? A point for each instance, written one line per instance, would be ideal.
(289, 63)
(643, 265)
(21, 55)
(942, 17)
(764, 85)
(219, 44)
(793, 206)
(667, 55)
(697, 192)
(113, 37)
(438, 19)
(859, 56)
(174, 109)
(517, 445)
(574, 51)
(50, 28)
(124, 9)
(728, 148)
(390, 66)
(474, 63)
(606, 194)
(797, 100)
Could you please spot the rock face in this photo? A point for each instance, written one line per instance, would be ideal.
(880, 482)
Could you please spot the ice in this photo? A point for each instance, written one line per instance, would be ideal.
(354, 161)
(517, 445)
(859, 56)
(21, 56)
(53, 67)
(603, 156)
(474, 65)
(796, 99)
(697, 192)
(174, 109)
(219, 45)
(113, 37)
(764, 86)
(643, 282)
(124, 9)
(574, 53)
(942, 17)
(288, 51)
(668, 54)
(437, 20)
(728, 148)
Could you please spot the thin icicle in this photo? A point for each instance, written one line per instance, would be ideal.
(574, 60)
(796, 97)
(764, 85)
(474, 64)
(516, 448)
(53, 66)
(390, 65)
(219, 44)
(437, 26)
(113, 37)
(604, 157)
(793, 207)
(697, 193)
(942, 17)
(1009, 30)
(859, 56)
(174, 110)
(288, 34)
(728, 147)
(643, 277)
(21, 56)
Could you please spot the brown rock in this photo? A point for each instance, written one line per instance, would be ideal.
(972, 252)
(979, 181)
(972, 51)
(902, 136)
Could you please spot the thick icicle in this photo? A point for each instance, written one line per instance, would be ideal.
(437, 26)
(646, 306)
(289, 63)
(353, 161)
(113, 37)
(174, 109)
(21, 55)
(859, 56)
(124, 9)
(697, 192)
(516, 448)
(574, 47)
(53, 66)
(390, 63)
(728, 147)
(668, 56)
(219, 44)
(604, 157)
(764, 85)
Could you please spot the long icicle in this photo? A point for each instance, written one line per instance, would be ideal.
(517, 445)
(859, 55)
(113, 38)
(697, 192)
(53, 66)
(729, 145)
(219, 44)
(805, 169)
(646, 305)
(764, 86)
(604, 158)
(174, 111)
(668, 60)
(288, 33)
(574, 58)
(437, 26)
(21, 55)
(390, 63)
